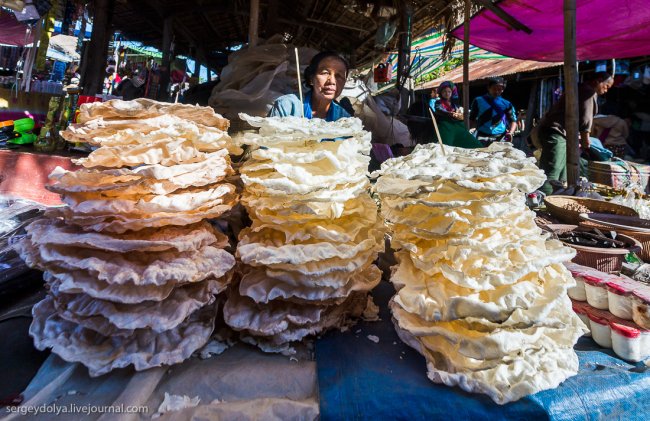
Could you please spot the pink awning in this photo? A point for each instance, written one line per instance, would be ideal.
(12, 32)
(605, 29)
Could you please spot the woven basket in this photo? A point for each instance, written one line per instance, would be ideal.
(568, 208)
(606, 260)
(641, 237)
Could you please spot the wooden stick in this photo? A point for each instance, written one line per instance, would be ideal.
(571, 94)
(435, 126)
(466, 105)
(302, 106)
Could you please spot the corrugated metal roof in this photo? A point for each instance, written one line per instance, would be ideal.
(484, 68)
(426, 54)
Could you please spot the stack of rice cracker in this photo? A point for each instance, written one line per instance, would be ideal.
(133, 269)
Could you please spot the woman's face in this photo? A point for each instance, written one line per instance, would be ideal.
(329, 79)
(445, 93)
(602, 87)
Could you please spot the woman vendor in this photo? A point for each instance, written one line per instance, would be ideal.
(552, 133)
(326, 75)
(450, 119)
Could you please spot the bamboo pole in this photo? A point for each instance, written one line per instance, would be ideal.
(302, 104)
(435, 126)
(468, 12)
(571, 93)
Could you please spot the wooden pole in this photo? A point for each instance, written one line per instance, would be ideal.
(272, 18)
(531, 110)
(468, 12)
(95, 70)
(168, 34)
(571, 93)
(253, 23)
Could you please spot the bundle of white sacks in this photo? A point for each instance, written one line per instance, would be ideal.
(307, 259)
(481, 292)
(132, 269)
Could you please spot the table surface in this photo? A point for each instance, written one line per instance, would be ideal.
(360, 379)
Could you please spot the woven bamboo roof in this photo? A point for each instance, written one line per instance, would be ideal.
(348, 26)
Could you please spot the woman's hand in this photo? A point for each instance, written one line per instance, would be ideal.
(457, 115)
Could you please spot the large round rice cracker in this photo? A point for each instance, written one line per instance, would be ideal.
(50, 231)
(118, 319)
(102, 354)
(262, 289)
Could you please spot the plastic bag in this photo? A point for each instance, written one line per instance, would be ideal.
(255, 77)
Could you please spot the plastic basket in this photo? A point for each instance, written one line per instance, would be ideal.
(636, 228)
(603, 259)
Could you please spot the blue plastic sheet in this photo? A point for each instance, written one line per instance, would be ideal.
(360, 379)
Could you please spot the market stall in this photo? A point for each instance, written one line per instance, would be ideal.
(428, 289)
(365, 361)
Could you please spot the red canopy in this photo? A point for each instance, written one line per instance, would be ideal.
(605, 29)
(12, 32)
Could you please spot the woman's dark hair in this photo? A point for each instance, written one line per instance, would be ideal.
(498, 80)
(310, 71)
(599, 77)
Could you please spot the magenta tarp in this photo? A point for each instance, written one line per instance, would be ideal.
(12, 32)
(605, 29)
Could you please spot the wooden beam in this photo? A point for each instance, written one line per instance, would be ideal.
(186, 33)
(308, 12)
(505, 16)
(322, 12)
(93, 79)
(253, 23)
(571, 93)
(165, 70)
(151, 17)
(272, 18)
(210, 24)
(200, 13)
(468, 12)
(338, 25)
(308, 25)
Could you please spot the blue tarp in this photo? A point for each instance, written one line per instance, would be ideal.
(359, 379)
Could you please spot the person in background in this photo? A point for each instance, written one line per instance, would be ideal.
(493, 116)
(450, 119)
(347, 105)
(613, 131)
(433, 99)
(552, 133)
(110, 74)
(131, 86)
(326, 76)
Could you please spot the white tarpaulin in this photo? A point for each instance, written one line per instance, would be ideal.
(241, 384)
